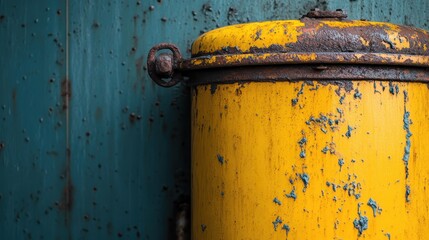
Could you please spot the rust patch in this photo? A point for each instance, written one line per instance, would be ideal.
(66, 203)
(2, 145)
(134, 117)
(66, 93)
(339, 75)
(140, 73)
(318, 36)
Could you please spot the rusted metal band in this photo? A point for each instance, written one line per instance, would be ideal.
(238, 60)
(308, 72)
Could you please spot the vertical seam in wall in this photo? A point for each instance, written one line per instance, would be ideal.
(68, 191)
(67, 75)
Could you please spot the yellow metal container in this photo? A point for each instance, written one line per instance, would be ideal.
(310, 129)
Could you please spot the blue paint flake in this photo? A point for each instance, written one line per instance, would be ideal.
(277, 222)
(294, 101)
(325, 150)
(286, 228)
(393, 89)
(220, 159)
(292, 194)
(361, 224)
(407, 122)
(340, 112)
(302, 154)
(301, 91)
(276, 201)
(357, 94)
(407, 193)
(323, 118)
(340, 163)
(374, 206)
(408, 134)
(303, 141)
(345, 187)
(342, 99)
(305, 179)
(387, 235)
(328, 184)
(334, 187)
(357, 196)
(349, 131)
(375, 88)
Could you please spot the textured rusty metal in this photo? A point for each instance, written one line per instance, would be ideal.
(303, 58)
(328, 35)
(320, 37)
(163, 66)
(309, 72)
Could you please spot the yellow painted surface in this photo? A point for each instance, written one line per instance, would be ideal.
(245, 36)
(254, 129)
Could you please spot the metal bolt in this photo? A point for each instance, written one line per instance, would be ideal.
(164, 65)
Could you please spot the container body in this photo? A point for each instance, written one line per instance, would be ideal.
(310, 160)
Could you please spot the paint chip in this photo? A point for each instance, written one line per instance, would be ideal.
(220, 159)
(305, 179)
(286, 228)
(361, 224)
(292, 194)
(277, 201)
(407, 193)
(374, 206)
(349, 131)
(340, 163)
(277, 222)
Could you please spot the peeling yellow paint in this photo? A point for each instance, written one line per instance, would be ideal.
(245, 36)
(399, 42)
(256, 131)
(364, 41)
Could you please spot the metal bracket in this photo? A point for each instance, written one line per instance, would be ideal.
(164, 66)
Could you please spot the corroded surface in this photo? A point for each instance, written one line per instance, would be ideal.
(313, 35)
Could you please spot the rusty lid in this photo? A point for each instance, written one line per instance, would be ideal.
(318, 37)
(322, 45)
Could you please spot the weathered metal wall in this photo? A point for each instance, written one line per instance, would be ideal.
(90, 148)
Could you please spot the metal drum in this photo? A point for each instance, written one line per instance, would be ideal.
(316, 128)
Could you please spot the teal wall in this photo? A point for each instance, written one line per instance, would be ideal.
(90, 148)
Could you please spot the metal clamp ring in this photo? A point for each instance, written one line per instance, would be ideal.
(154, 64)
